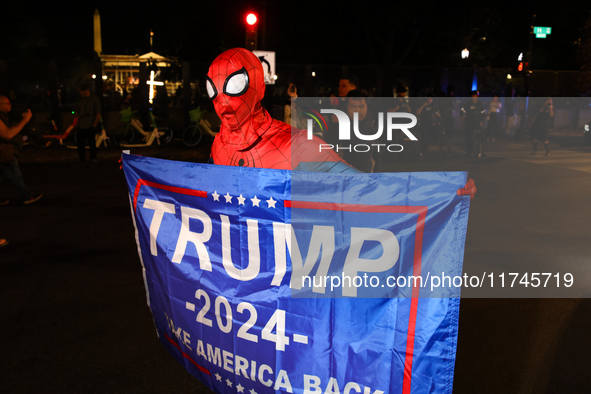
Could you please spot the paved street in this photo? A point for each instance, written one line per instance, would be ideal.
(74, 315)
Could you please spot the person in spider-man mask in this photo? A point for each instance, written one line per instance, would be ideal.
(249, 137)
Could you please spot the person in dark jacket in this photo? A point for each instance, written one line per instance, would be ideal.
(363, 161)
(539, 130)
(474, 116)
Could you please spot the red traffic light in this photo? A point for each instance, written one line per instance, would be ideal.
(520, 67)
(251, 31)
(251, 19)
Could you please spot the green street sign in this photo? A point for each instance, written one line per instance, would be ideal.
(542, 31)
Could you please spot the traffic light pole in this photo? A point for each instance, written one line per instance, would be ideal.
(519, 133)
(528, 68)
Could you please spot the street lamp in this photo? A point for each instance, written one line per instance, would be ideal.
(465, 53)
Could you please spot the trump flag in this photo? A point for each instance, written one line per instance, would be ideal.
(268, 281)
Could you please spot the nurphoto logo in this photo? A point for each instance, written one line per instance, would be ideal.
(345, 130)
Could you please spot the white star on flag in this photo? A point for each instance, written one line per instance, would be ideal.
(228, 382)
(271, 202)
(240, 388)
(216, 196)
(218, 377)
(255, 201)
(228, 197)
(253, 392)
(241, 200)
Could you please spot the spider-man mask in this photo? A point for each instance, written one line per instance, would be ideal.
(235, 83)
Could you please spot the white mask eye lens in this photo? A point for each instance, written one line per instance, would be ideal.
(237, 83)
(210, 89)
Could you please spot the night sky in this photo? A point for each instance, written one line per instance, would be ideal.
(426, 33)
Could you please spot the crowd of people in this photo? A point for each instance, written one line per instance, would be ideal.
(438, 119)
(437, 122)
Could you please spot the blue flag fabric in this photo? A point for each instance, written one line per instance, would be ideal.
(241, 268)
